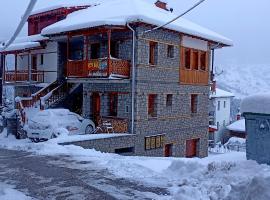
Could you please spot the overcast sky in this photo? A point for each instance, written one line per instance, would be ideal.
(246, 22)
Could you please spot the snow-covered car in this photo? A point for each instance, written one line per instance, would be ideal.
(50, 123)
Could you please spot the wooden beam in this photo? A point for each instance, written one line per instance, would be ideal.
(109, 32)
(16, 66)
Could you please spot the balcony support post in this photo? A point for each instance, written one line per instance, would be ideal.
(16, 66)
(109, 32)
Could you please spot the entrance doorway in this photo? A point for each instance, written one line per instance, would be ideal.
(168, 150)
(34, 67)
(96, 107)
(191, 148)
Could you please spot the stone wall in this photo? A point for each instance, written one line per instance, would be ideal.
(108, 145)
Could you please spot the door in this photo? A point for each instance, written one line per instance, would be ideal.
(96, 107)
(34, 67)
(191, 148)
(168, 150)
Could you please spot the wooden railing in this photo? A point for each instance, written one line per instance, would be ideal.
(98, 68)
(23, 76)
(194, 77)
(54, 96)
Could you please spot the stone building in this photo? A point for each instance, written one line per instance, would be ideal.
(152, 86)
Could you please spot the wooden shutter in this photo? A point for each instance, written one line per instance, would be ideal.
(152, 46)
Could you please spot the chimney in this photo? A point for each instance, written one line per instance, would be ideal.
(213, 86)
(161, 4)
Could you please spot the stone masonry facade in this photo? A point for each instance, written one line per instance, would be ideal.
(177, 123)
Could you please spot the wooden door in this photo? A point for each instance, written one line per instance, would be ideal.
(96, 107)
(168, 150)
(191, 148)
(34, 67)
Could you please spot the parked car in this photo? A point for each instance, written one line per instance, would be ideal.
(50, 123)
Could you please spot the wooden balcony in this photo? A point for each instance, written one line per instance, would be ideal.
(194, 77)
(98, 68)
(23, 76)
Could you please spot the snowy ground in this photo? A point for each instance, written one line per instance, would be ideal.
(220, 176)
(7, 192)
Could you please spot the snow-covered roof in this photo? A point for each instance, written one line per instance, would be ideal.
(259, 103)
(27, 42)
(238, 126)
(221, 93)
(21, 46)
(58, 6)
(121, 12)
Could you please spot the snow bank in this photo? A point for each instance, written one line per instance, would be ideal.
(7, 192)
(259, 103)
(224, 176)
(121, 12)
(238, 126)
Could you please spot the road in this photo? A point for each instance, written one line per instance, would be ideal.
(45, 177)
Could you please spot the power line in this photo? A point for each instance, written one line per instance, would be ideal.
(21, 24)
(184, 13)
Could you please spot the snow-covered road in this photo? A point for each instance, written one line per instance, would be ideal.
(72, 170)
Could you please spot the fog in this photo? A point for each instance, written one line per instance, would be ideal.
(245, 22)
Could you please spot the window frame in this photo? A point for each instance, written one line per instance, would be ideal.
(152, 53)
(169, 100)
(194, 103)
(152, 105)
(170, 51)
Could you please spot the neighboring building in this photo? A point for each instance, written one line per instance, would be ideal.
(256, 110)
(161, 101)
(219, 114)
(237, 129)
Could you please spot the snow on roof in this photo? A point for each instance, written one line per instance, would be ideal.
(21, 46)
(121, 12)
(259, 103)
(221, 93)
(27, 42)
(238, 126)
(55, 7)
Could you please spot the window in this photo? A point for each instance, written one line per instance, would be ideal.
(224, 104)
(113, 104)
(218, 107)
(154, 142)
(187, 58)
(115, 49)
(169, 99)
(195, 60)
(152, 105)
(203, 60)
(41, 59)
(152, 53)
(124, 150)
(170, 51)
(217, 125)
(194, 103)
(224, 123)
(95, 51)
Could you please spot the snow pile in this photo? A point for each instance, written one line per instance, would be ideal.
(7, 192)
(238, 126)
(224, 176)
(121, 12)
(259, 103)
(236, 144)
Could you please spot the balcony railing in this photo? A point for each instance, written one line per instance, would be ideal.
(98, 68)
(194, 77)
(23, 76)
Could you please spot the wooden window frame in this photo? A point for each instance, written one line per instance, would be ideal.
(152, 107)
(194, 103)
(169, 100)
(152, 53)
(113, 104)
(194, 60)
(170, 51)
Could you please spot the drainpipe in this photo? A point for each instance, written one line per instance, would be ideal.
(133, 78)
